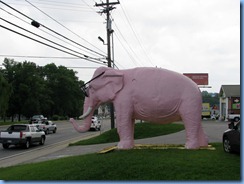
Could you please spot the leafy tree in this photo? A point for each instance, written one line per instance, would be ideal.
(28, 88)
(212, 98)
(64, 89)
(48, 90)
(5, 91)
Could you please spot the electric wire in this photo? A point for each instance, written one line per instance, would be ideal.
(63, 26)
(85, 56)
(80, 48)
(51, 45)
(58, 7)
(143, 49)
(51, 29)
(39, 57)
(125, 48)
(129, 54)
(48, 40)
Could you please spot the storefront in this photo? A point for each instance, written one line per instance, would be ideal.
(229, 102)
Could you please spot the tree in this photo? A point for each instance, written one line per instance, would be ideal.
(64, 89)
(48, 90)
(212, 98)
(5, 91)
(28, 88)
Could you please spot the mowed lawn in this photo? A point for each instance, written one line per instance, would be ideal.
(143, 164)
(149, 164)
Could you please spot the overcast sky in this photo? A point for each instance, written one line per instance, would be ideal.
(186, 36)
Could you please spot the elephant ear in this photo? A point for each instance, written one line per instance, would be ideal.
(114, 82)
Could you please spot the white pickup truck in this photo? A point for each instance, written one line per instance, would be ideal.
(46, 126)
(22, 134)
(234, 117)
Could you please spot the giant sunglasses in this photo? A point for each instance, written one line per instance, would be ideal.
(85, 87)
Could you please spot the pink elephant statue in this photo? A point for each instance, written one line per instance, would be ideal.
(150, 94)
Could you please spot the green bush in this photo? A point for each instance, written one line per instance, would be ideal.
(55, 117)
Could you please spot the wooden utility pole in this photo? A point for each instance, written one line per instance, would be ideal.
(107, 7)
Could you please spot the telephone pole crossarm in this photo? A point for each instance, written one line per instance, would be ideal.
(107, 4)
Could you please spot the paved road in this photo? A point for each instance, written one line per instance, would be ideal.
(65, 134)
(213, 129)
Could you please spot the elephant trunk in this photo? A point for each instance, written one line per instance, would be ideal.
(87, 114)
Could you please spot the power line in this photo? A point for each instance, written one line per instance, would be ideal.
(48, 39)
(50, 29)
(80, 48)
(130, 55)
(51, 45)
(59, 7)
(63, 26)
(39, 57)
(136, 36)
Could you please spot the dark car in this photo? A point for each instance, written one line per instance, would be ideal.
(37, 118)
(231, 138)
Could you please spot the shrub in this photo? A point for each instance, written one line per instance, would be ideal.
(55, 117)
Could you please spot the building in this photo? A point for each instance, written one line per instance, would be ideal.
(229, 102)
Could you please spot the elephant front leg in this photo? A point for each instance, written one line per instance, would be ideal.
(195, 136)
(126, 133)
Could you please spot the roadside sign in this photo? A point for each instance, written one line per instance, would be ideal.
(198, 78)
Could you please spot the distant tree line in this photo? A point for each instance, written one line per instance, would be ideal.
(27, 89)
(211, 98)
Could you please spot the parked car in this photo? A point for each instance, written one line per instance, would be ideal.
(47, 126)
(37, 118)
(234, 117)
(22, 134)
(231, 138)
(96, 124)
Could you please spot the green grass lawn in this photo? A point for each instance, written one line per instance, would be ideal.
(149, 164)
(2, 123)
(142, 130)
(143, 164)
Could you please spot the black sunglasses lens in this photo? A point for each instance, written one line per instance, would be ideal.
(84, 90)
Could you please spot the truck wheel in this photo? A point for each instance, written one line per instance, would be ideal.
(46, 132)
(5, 146)
(54, 131)
(42, 140)
(27, 144)
(226, 145)
(236, 119)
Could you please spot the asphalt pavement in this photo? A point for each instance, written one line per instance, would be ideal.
(213, 129)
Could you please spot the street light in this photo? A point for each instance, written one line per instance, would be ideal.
(101, 40)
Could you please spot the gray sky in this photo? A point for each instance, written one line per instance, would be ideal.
(186, 36)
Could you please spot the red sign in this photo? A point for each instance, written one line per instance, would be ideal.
(198, 78)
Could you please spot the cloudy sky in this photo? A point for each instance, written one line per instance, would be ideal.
(186, 36)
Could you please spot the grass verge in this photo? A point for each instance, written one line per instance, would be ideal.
(148, 164)
(142, 130)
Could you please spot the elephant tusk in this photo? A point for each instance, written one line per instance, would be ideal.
(86, 113)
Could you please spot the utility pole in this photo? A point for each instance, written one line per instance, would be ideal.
(107, 7)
